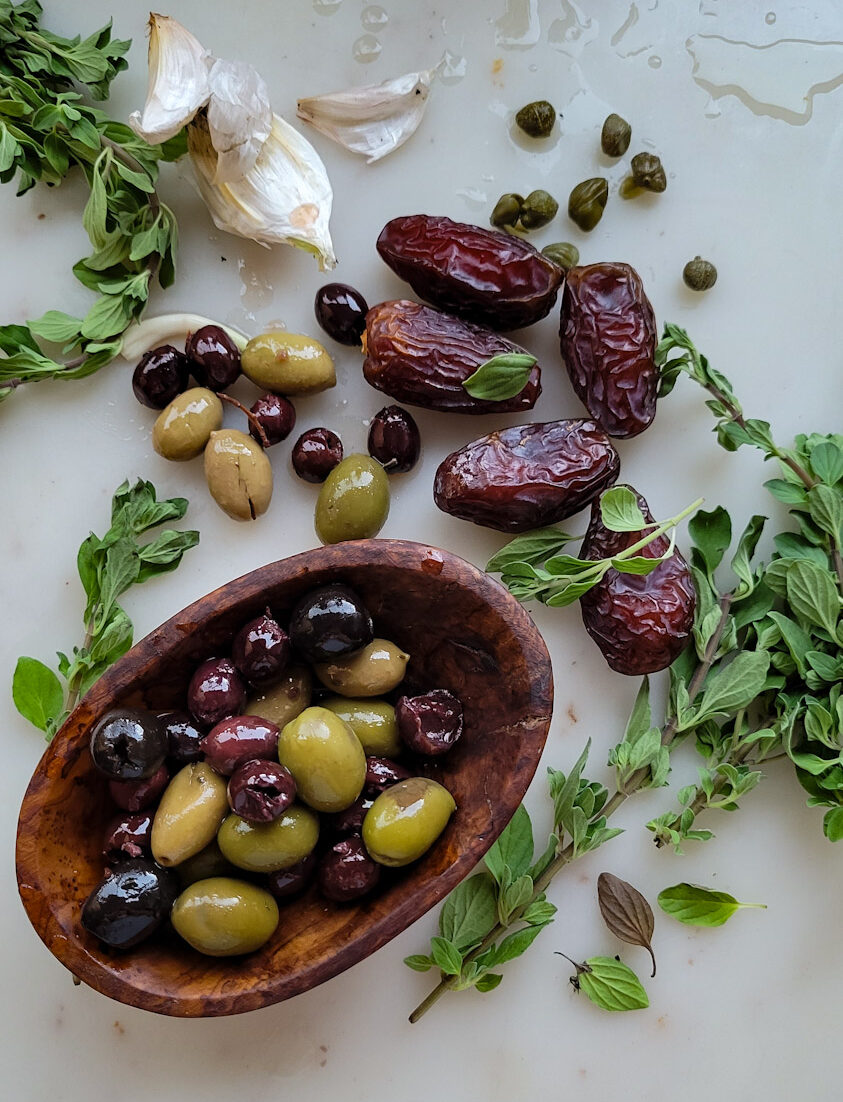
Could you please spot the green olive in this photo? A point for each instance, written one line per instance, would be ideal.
(373, 721)
(189, 814)
(207, 862)
(184, 427)
(288, 363)
(372, 671)
(284, 700)
(406, 819)
(587, 202)
(647, 172)
(615, 136)
(224, 917)
(537, 119)
(538, 209)
(325, 757)
(563, 254)
(699, 274)
(353, 503)
(267, 847)
(238, 474)
(507, 210)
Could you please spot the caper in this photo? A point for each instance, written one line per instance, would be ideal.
(189, 814)
(238, 474)
(325, 757)
(223, 917)
(538, 209)
(587, 202)
(288, 363)
(353, 503)
(372, 671)
(182, 428)
(285, 700)
(563, 254)
(267, 847)
(406, 819)
(615, 135)
(537, 119)
(373, 721)
(647, 172)
(507, 210)
(699, 274)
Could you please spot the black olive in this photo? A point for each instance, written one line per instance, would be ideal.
(129, 744)
(329, 622)
(215, 691)
(341, 311)
(130, 903)
(429, 723)
(316, 453)
(214, 357)
(161, 374)
(394, 440)
(183, 737)
(347, 871)
(261, 650)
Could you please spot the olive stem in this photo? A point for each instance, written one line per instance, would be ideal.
(250, 417)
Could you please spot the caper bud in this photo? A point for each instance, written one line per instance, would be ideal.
(587, 202)
(507, 210)
(647, 172)
(537, 119)
(699, 274)
(538, 209)
(563, 254)
(615, 135)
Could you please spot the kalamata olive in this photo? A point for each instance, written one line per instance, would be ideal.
(214, 357)
(161, 374)
(394, 439)
(346, 871)
(277, 417)
(261, 650)
(239, 739)
(350, 821)
(183, 737)
(429, 723)
(260, 790)
(128, 744)
(341, 311)
(130, 903)
(316, 453)
(127, 836)
(285, 883)
(215, 691)
(381, 773)
(135, 795)
(329, 622)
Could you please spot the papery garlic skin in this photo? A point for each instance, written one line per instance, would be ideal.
(239, 117)
(178, 84)
(374, 120)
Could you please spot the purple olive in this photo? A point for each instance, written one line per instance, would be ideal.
(316, 453)
(277, 417)
(128, 744)
(128, 836)
(261, 650)
(350, 821)
(130, 903)
(381, 773)
(430, 723)
(239, 739)
(136, 795)
(183, 737)
(161, 374)
(216, 690)
(341, 311)
(394, 440)
(259, 791)
(346, 871)
(292, 881)
(214, 357)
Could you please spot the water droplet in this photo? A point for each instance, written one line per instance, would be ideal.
(573, 30)
(452, 68)
(367, 48)
(518, 28)
(327, 7)
(655, 62)
(770, 18)
(534, 68)
(474, 197)
(374, 17)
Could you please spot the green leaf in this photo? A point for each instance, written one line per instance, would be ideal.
(612, 985)
(741, 562)
(513, 945)
(469, 912)
(572, 592)
(513, 896)
(641, 717)
(787, 492)
(418, 962)
(563, 791)
(734, 685)
(513, 850)
(501, 377)
(826, 506)
(164, 553)
(833, 824)
(533, 547)
(812, 594)
(446, 956)
(96, 209)
(619, 510)
(108, 316)
(639, 564)
(56, 326)
(712, 534)
(797, 640)
(539, 913)
(37, 693)
(696, 906)
(489, 981)
(829, 667)
(827, 462)
(536, 869)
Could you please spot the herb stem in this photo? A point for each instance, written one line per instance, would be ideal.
(73, 689)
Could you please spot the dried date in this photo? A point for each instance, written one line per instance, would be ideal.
(423, 356)
(608, 340)
(640, 622)
(527, 476)
(482, 275)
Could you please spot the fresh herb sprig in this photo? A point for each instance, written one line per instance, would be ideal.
(47, 131)
(695, 906)
(108, 566)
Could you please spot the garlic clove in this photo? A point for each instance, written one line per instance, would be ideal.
(239, 117)
(141, 336)
(178, 80)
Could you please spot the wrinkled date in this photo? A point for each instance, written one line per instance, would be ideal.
(639, 622)
(422, 356)
(480, 274)
(527, 476)
(608, 341)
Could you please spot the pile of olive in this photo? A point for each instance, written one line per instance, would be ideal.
(262, 788)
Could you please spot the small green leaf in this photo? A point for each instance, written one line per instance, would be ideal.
(812, 594)
(96, 209)
(56, 326)
(513, 850)
(741, 562)
(513, 945)
(513, 896)
(638, 564)
(619, 510)
(827, 510)
(787, 492)
(533, 547)
(827, 462)
(572, 592)
(612, 985)
(489, 981)
(697, 906)
(446, 956)
(539, 913)
(833, 824)
(469, 912)
(37, 693)
(712, 534)
(418, 962)
(108, 316)
(734, 685)
(501, 377)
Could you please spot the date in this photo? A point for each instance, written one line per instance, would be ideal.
(608, 340)
(640, 622)
(482, 275)
(527, 476)
(422, 356)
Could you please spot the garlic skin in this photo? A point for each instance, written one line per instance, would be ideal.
(178, 82)
(141, 336)
(374, 120)
(239, 117)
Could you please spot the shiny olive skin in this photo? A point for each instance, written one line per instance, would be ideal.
(207, 862)
(329, 622)
(277, 417)
(127, 744)
(430, 723)
(161, 375)
(259, 791)
(325, 758)
(353, 503)
(261, 650)
(394, 440)
(285, 883)
(267, 847)
(216, 690)
(238, 473)
(406, 819)
(214, 357)
(183, 737)
(373, 721)
(128, 836)
(239, 739)
(225, 917)
(130, 903)
(347, 871)
(381, 773)
(288, 363)
(316, 453)
(372, 671)
(350, 821)
(341, 312)
(135, 795)
(189, 814)
(184, 427)
(285, 700)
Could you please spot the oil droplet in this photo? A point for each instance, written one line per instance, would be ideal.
(770, 18)
(451, 68)
(630, 21)
(518, 28)
(474, 197)
(655, 62)
(367, 48)
(374, 17)
(327, 7)
(572, 30)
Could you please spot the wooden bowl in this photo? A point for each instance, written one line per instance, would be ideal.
(464, 632)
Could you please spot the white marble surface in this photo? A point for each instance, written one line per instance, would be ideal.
(748, 1011)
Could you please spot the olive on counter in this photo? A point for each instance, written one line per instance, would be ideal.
(373, 721)
(161, 375)
(429, 723)
(372, 671)
(353, 503)
(325, 758)
(286, 699)
(329, 622)
(225, 917)
(347, 872)
(239, 739)
(128, 744)
(216, 690)
(341, 311)
(406, 819)
(259, 791)
(316, 453)
(394, 439)
(288, 363)
(261, 650)
(214, 357)
(276, 415)
(189, 814)
(130, 903)
(267, 847)
(238, 473)
(184, 427)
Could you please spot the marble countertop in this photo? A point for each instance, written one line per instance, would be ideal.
(740, 102)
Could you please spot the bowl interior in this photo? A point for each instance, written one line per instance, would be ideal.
(464, 633)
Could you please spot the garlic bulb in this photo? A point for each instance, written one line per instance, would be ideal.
(239, 117)
(373, 120)
(178, 81)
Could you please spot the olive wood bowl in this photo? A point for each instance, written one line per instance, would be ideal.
(464, 633)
